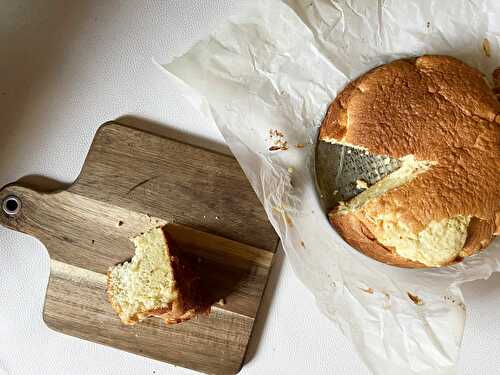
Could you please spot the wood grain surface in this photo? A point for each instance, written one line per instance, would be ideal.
(132, 181)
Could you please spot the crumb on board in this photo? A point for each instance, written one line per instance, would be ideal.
(486, 47)
(217, 218)
(120, 223)
(290, 170)
(302, 244)
(367, 290)
(93, 242)
(221, 302)
(416, 299)
(361, 184)
(288, 219)
(300, 145)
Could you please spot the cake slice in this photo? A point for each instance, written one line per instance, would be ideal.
(153, 283)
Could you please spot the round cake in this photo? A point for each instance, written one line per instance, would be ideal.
(439, 117)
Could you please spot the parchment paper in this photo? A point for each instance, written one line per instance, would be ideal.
(277, 66)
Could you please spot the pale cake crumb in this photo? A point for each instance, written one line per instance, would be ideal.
(361, 184)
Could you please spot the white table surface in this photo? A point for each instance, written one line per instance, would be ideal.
(65, 68)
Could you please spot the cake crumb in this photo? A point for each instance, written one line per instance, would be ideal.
(303, 244)
(361, 184)
(290, 170)
(349, 151)
(368, 290)
(300, 145)
(416, 299)
(221, 302)
(486, 47)
(335, 192)
(278, 141)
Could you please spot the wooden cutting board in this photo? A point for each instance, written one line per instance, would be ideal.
(132, 181)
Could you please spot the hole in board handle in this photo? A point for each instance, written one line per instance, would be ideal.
(11, 205)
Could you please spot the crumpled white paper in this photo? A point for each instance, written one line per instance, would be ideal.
(277, 66)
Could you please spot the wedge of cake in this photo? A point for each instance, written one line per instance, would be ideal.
(153, 283)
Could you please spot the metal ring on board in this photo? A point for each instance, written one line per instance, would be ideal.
(11, 205)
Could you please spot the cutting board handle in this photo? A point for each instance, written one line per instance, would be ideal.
(24, 209)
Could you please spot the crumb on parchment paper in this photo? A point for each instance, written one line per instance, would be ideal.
(278, 141)
(454, 301)
(486, 47)
(415, 299)
(283, 213)
(367, 290)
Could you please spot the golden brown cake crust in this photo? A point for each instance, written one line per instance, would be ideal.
(438, 109)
